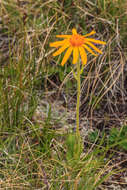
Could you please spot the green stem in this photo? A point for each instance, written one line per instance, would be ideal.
(78, 99)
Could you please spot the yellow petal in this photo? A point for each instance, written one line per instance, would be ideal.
(94, 47)
(83, 55)
(95, 41)
(89, 34)
(57, 44)
(63, 36)
(60, 50)
(67, 55)
(75, 55)
(74, 31)
(88, 49)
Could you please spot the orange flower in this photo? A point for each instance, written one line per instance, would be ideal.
(77, 44)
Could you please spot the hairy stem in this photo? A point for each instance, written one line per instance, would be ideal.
(78, 99)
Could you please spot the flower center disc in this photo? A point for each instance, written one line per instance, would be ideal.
(76, 40)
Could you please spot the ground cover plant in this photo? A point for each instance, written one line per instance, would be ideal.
(38, 97)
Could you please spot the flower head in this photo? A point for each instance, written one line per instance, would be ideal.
(76, 44)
